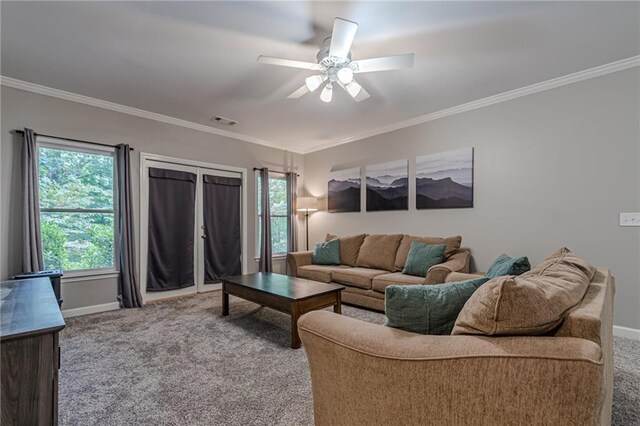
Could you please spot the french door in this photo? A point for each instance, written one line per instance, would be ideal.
(192, 226)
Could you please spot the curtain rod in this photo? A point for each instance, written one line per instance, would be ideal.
(21, 132)
(273, 171)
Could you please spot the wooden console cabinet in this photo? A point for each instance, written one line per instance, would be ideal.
(30, 323)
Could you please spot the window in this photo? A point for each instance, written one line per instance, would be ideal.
(279, 215)
(77, 213)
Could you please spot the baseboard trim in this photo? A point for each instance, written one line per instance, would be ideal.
(93, 309)
(629, 333)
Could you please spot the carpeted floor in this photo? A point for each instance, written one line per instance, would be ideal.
(179, 362)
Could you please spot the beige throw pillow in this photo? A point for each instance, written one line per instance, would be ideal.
(349, 247)
(379, 251)
(452, 245)
(533, 303)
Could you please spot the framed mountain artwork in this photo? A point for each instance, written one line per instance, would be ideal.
(388, 186)
(445, 180)
(344, 191)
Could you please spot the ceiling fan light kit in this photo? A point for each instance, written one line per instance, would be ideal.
(314, 82)
(345, 75)
(327, 93)
(336, 66)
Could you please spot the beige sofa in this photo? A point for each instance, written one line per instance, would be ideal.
(367, 374)
(370, 263)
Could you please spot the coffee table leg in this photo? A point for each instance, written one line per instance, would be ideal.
(337, 308)
(225, 302)
(295, 338)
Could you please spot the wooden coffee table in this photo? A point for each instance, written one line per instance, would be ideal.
(293, 296)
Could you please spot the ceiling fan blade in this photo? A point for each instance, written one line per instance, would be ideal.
(383, 64)
(355, 90)
(299, 93)
(342, 37)
(289, 63)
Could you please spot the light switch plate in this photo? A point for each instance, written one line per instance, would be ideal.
(630, 219)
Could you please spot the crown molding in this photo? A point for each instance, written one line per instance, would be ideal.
(587, 74)
(112, 106)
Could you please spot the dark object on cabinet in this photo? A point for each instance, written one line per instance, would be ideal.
(54, 275)
(29, 325)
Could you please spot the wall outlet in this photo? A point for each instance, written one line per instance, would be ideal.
(630, 219)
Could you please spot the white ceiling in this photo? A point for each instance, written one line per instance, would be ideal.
(197, 60)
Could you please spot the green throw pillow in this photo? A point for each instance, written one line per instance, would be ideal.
(423, 256)
(506, 265)
(427, 309)
(327, 253)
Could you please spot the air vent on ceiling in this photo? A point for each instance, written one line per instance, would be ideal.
(222, 120)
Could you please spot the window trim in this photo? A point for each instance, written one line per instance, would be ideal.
(66, 145)
(274, 255)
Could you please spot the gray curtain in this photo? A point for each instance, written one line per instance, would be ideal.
(32, 260)
(222, 227)
(172, 205)
(128, 291)
(266, 263)
(292, 222)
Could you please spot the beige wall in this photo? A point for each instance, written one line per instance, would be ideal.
(551, 169)
(57, 117)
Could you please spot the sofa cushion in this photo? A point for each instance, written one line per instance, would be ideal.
(380, 282)
(452, 245)
(379, 251)
(318, 272)
(567, 256)
(357, 277)
(327, 253)
(422, 257)
(427, 309)
(507, 265)
(349, 247)
(533, 303)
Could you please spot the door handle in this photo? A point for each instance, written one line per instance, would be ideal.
(203, 236)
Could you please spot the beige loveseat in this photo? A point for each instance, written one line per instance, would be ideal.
(368, 374)
(370, 263)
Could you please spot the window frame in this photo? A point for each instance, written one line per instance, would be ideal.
(272, 175)
(66, 145)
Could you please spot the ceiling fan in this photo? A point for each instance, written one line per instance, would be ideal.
(335, 66)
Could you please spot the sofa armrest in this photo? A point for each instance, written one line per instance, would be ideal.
(457, 262)
(462, 276)
(367, 374)
(298, 259)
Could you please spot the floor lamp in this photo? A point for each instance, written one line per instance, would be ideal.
(307, 205)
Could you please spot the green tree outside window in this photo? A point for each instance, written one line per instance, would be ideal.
(279, 213)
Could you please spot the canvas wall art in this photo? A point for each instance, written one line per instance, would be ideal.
(445, 180)
(388, 186)
(344, 191)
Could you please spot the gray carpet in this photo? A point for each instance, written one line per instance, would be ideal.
(178, 362)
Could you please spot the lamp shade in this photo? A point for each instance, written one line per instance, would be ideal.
(307, 204)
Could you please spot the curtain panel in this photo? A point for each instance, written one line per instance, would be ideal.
(32, 259)
(128, 290)
(292, 205)
(266, 260)
(172, 201)
(222, 227)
